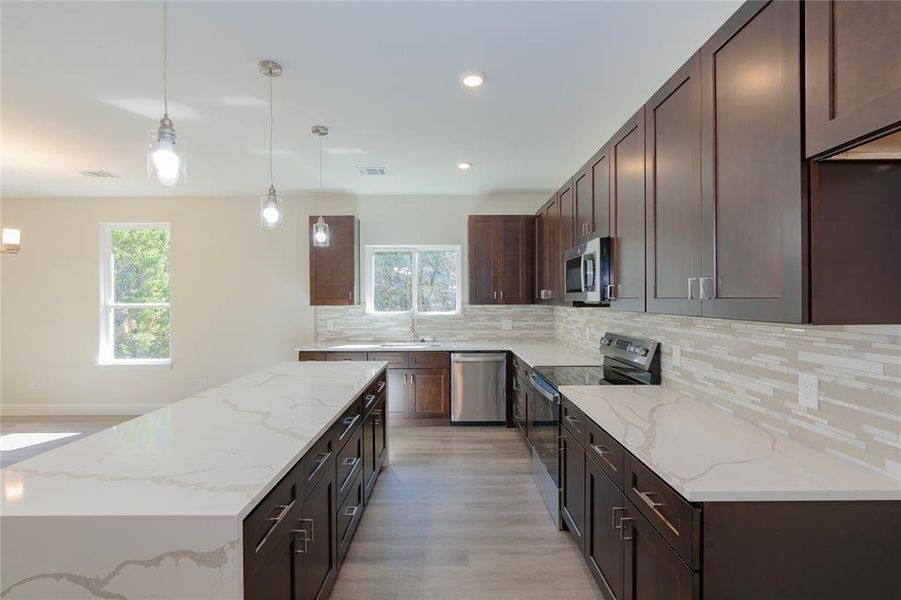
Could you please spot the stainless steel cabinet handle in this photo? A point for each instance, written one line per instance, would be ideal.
(690, 294)
(350, 295)
(495, 294)
(305, 539)
(350, 461)
(502, 294)
(382, 385)
(312, 530)
(646, 496)
(603, 451)
(622, 529)
(284, 509)
(350, 511)
(703, 293)
(610, 296)
(615, 510)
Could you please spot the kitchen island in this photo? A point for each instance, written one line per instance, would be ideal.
(176, 503)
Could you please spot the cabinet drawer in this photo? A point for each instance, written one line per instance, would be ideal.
(574, 420)
(429, 360)
(395, 360)
(374, 393)
(606, 452)
(350, 421)
(303, 356)
(677, 521)
(348, 517)
(349, 463)
(345, 356)
(316, 462)
(272, 518)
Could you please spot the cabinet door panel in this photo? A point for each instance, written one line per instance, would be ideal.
(853, 70)
(381, 433)
(572, 505)
(540, 256)
(627, 201)
(553, 252)
(565, 197)
(334, 269)
(318, 569)
(397, 389)
(673, 170)
(431, 392)
(652, 570)
(583, 203)
(754, 182)
(515, 259)
(482, 241)
(600, 176)
(604, 505)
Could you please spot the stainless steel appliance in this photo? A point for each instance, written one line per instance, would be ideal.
(586, 271)
(626, 361)
(478, 388)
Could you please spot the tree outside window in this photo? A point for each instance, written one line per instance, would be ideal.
(401, 277)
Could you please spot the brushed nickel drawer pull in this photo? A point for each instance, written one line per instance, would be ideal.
(381, 386)
(305, 539)
(370, 398)
(646, 496)
(350, 511)
(622, 529)
(284, 508)
(573, 419)
(615, 510)
(312, 530)
(603, 451)
(349, 462)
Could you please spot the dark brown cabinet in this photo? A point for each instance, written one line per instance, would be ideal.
(567, 216)
(673, 187)
(753, 177)
(591, 197)
(572, 493)
(549, 267)
(501, 254)
(583, 204)
(430, 392)
(317, 554)
(335, 269)
(375, 445)
(627, 216)
(603, 545)
(852, 71)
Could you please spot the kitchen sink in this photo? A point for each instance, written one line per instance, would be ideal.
(409, 345)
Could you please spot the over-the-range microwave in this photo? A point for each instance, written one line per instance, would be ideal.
(587, 271)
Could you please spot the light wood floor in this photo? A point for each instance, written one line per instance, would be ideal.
(82, 425)
(456, 516)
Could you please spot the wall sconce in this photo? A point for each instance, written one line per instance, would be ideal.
(11, 240)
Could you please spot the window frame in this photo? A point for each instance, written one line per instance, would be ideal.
(370, 250)
(106, 351)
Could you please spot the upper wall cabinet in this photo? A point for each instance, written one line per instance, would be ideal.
(753, 177)
(501, 259)
(335, 269)
(591, 197)
(853, 71)
(673, 187)
(627, 216)
(567, 216)
(549, 253)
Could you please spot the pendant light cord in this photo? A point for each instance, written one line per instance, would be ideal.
(320, 175)
(271, 125)
(166, 58)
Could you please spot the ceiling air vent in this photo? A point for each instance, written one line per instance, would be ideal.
(99, 174)
(372, 171)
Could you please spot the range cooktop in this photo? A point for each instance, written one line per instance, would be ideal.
(627, 361)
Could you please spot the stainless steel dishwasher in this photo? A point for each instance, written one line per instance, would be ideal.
(478, 388)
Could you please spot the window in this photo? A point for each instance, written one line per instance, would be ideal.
(134, 281)
(399, 278)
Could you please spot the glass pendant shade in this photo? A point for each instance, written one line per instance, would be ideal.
(12, 239)
(166, 154)
(272, 213)
(320, 233)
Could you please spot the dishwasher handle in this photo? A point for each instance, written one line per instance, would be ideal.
(478, 358)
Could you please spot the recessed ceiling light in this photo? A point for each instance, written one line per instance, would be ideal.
(472, 79)
(464, 165)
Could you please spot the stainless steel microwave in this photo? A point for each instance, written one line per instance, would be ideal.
(586, 271)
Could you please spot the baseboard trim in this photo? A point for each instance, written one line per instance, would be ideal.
(69, 410)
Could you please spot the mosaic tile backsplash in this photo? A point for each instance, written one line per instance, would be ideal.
(746, 368)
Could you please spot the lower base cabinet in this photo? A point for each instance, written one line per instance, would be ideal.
(604, 540)
(296, 538)
(572, 497)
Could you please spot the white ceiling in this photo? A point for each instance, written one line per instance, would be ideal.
(81, 87)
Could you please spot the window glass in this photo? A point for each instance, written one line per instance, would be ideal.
(393, 281)
(437, 289)
(140, 265)
(141, 333)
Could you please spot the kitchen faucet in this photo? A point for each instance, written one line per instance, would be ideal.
(412, 325)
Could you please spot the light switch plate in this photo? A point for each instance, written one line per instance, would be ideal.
(677, 355)
(809, 390)
(506, 324)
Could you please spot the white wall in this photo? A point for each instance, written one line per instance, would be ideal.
(240, 297)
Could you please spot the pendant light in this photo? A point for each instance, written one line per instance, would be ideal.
(165, 151)
(272, 213)
(320, 227)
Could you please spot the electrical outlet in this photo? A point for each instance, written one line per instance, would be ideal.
(809, 390)
(330, 325)
(677, 355)
(506, 324)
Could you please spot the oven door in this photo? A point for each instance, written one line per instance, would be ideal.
(543, 431)
(573, 275)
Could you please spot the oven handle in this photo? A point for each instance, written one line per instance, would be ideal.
(582, 272)
(555, 398)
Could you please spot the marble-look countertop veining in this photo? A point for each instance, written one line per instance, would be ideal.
(214, 454)
(708, 455)
(533, 353)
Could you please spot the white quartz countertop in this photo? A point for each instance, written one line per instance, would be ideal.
(706, 454)
(533, 353)
(214, 454)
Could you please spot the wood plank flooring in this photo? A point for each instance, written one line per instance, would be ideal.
(456, 516)
(82, 425)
